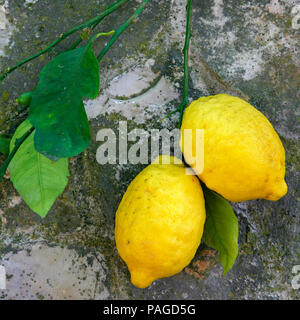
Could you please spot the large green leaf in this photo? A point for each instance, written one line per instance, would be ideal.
(221, 228)
(57, 111)
(4, 145)
(38, 180)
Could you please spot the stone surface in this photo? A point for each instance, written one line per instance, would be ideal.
(249, 49)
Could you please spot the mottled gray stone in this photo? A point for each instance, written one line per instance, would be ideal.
(249, 49)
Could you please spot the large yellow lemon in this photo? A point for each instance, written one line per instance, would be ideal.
(159, 222)
(243, 156)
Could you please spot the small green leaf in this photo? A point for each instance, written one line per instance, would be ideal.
(38, 180)
(221, 228)
(4, 145)
(57, 111)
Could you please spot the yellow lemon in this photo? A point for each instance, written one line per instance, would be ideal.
(159, 222)
(243, 156)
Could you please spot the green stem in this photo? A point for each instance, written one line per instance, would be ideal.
(121, 29)
(185, 98)
(63, 36)
(112, 8)
(169, 114)
(18, 144)
(102, 34)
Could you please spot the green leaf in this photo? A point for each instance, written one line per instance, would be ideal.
(221, 228)
(57, 111)
(4, 145)
(38, 180)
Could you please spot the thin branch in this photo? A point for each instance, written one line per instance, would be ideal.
(122, 28)
(185, 98)
(172, 112)
(63, 36)
(18, 144)
(92, 27)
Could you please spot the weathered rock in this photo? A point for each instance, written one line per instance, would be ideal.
(247, 49)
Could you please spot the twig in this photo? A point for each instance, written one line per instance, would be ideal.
(185, 95)
(121, 29)
(18, 144)
(185, 98)
(112, 7)
(63, 36)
